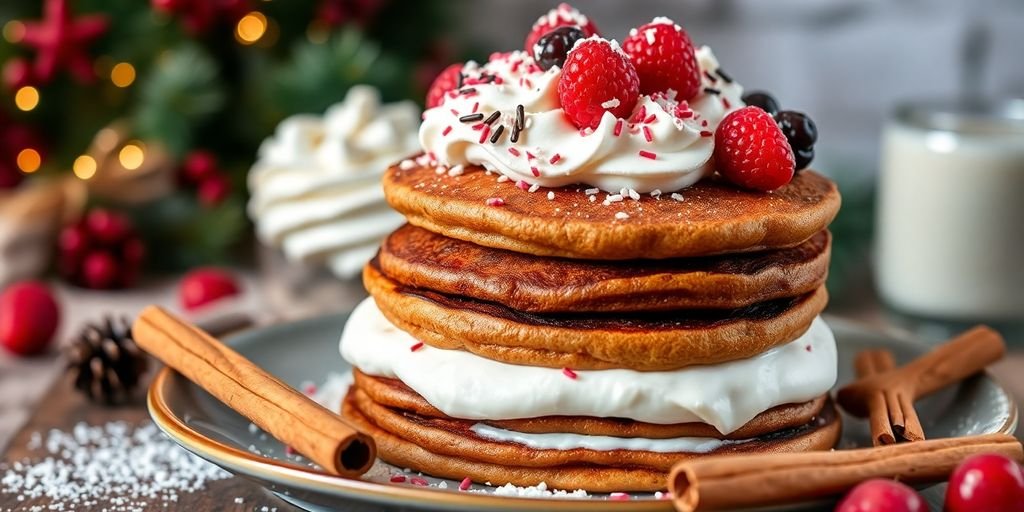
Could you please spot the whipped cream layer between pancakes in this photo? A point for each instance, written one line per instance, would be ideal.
(608, 157)
(316, 189)
(466, 386)
(558, 441)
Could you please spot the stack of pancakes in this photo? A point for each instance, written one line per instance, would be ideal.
(536, 298)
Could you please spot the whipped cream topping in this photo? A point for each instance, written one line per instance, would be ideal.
(316, 185)
(559, 441)
(663, 145)
(465, 385)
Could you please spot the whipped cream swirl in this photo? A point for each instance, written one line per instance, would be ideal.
(664, 145)
(464, 385)
(316, 186)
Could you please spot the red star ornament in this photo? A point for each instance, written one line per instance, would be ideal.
(60, 42)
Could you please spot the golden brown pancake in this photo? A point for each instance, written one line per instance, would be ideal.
(448, 448)
(394, 394)
(416, 257)
(638, 341)
(714, 218)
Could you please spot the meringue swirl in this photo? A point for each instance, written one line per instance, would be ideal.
(664, 145)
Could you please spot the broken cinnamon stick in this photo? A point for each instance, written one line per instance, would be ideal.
(946, 364)
(283, 412)
(738, 481)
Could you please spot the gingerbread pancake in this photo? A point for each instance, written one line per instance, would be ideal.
(394, 394)
(592, 341)
(713, 217)
(451, 449)
(416, 257)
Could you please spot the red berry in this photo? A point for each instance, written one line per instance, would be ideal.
(28, 318)
(213, 190)
(560, 16)
(752, 152)
(99, 270)
(597, 78)
(106, 226)
(73, 240)
(448, 80)
(986, 482)
(663, 56)
(880, 495)
(133, 252)
(205, 285)
(198, 165)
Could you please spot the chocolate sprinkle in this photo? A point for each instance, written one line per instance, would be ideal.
(520, 121)
(471, 118)
(712, 90)
(724, 75)
(515, 135)
(493, 117)
(468, 90)
(497, 133)
(710, 77)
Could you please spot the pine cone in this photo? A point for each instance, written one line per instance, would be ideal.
(105, 362)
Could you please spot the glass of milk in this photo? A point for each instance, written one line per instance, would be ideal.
(950, 234)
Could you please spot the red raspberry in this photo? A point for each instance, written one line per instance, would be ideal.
(752, 152)
(560, 16)
(448, 80)
(664, 59)
(597, 79)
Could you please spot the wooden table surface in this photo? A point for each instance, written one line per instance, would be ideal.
(34, 394)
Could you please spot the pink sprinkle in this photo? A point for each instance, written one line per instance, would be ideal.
(455, 112)
(530, 156)
(418, 481)
(447, 130)
(647, 134)
(309, 390)
(484, 133)
(288, 450)
(704, 122)
(555, 158)
(466, 484)
(648, 154)
(479, 126)
(640, 114)
(619, 496)
(618, 128)
(535, 171)
(705, 133)
(684, 114)
(498, 80)
(416, 347)
(475, 107)
(523, 185)
(569, 373)
(514, 151)
(807, 348)
(432, 156)
(725, 102)
(529, 84)
(470, 94)
(397, 479)
(515, 65)
(495, 201)
(651, 118)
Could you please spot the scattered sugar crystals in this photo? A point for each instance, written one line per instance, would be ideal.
(116, 466)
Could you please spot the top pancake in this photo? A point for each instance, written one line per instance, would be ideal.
(714, 217)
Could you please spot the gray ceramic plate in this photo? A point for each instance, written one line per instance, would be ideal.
(307, 351)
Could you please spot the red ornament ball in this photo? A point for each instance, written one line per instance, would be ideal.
(879, 495)
(986, 482)
(214, 190)
(205, 286)
(29, 317)
(198, 166)
(101, 252)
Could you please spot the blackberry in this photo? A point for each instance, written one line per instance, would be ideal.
(552, 48)
(762, 100)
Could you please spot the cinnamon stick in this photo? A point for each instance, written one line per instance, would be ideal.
(737, 481)
(288, 415)
(891, 412)
(946, 364)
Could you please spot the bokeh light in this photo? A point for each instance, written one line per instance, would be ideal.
(251, 28)
(122, 74)
(131, 156)
(29, 160)
(84, 167)
(27, 98)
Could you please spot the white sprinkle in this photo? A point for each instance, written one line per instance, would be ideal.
(650, 34)
(621, 215)
(656, 193)
(441, 169)
(533, 188)
(614, 198)
(659, 495)
(239, 500)
(551, 195)
(634, 195)
(677, 196)
(406, 165)
(592, 191)
(456, 170)
(593, 199)
(502, 178)
(537, 491)
(612, 103)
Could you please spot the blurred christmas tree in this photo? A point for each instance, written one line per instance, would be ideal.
(120, 93)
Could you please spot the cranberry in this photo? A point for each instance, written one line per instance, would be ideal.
(880, 495)
(213, 190)
(198, 166)
(28, 318)
(206, 285)
(99, 270)
(986, 482)
(108, 227)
